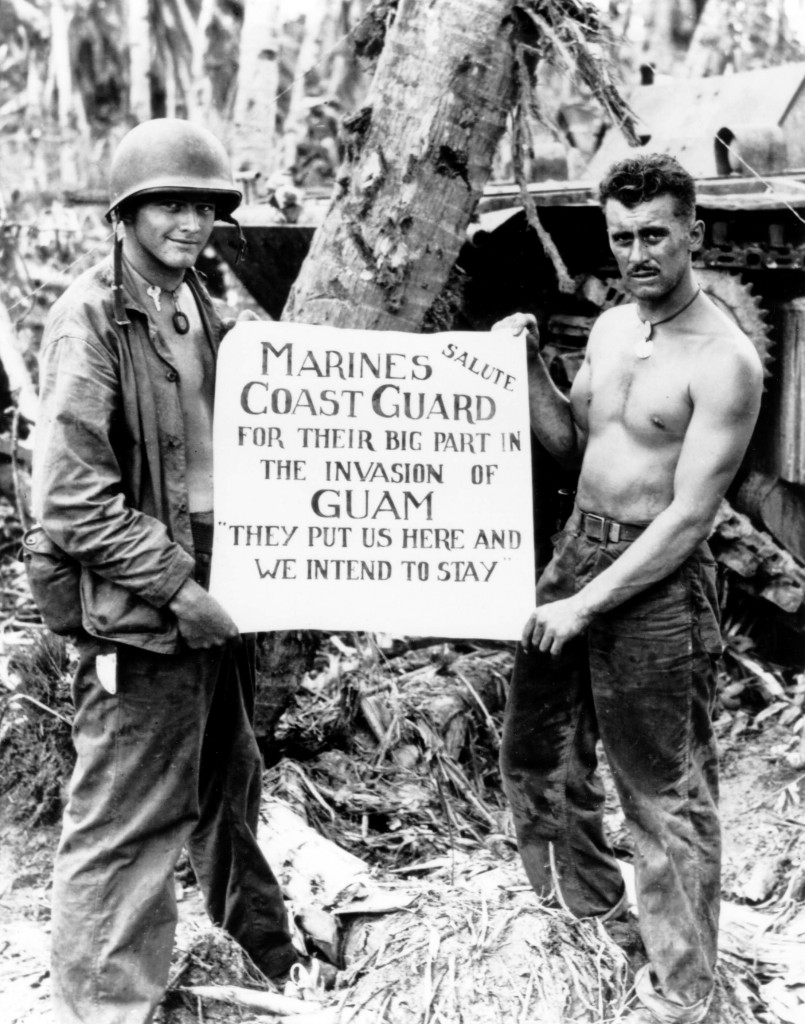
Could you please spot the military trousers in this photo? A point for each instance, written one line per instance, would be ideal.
(642, 681)
(168, 761)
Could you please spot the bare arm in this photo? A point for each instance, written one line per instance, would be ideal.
(726, 401)
(551, 412)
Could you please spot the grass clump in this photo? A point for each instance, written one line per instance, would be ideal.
(36, 752)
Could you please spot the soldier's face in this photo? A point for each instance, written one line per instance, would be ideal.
(170, 232)
(652, 244)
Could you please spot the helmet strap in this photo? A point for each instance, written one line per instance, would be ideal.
(121, 318)
(241, 237)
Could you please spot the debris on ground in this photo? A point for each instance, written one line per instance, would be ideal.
(213, 979)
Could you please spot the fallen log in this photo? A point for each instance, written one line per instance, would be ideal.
(442, 946)
(286, 1008)
(324, 884)
(470, 941)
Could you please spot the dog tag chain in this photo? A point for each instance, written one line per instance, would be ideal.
(645, 347)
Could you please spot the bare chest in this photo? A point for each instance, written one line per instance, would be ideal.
(188, 347)
(192, 358)
(649, 398)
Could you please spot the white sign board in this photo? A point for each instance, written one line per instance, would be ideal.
(374, 481)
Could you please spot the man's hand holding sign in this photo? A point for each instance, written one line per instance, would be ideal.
(550, 626)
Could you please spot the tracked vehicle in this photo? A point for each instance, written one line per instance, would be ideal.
(751, 197)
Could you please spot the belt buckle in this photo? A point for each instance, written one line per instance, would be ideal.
(590, 519)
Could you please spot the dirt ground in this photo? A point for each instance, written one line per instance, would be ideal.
(762, 811)
(764, 845)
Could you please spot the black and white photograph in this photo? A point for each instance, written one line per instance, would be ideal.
(402, 512)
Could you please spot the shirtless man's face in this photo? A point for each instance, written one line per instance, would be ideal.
(652, 244)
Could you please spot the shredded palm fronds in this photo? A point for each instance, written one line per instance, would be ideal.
(571, 35)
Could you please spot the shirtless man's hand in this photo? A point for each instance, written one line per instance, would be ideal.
(517, 323)
(549, 408)
(551, 626)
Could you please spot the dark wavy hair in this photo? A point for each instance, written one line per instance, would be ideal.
(641, 178)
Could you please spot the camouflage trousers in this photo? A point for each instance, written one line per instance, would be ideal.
(642, 680)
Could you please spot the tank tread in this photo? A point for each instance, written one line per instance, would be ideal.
(751, 257)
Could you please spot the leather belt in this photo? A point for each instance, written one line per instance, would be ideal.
(607, 531)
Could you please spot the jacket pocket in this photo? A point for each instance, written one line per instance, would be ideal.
(54, 578)
(112, 612)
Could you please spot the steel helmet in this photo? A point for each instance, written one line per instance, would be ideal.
(171, 155)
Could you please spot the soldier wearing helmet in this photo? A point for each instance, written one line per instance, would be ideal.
(164, 684)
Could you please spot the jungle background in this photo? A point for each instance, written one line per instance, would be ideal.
(382, 800)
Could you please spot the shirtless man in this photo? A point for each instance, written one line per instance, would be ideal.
(624, 641)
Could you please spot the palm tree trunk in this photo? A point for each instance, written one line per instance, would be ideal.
(200, 98)
(255, 116)
(418, 156)
(139, 37)
(69, 115)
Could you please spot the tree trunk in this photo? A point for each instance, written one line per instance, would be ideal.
(255, 117)
(200, 97)
(139, 37)
(753, 36)
(67, 114)
(345, 81)
(60, 57)
(418, 156)
(661, 18)
(315, 25)
(713, 42)
(171, 70)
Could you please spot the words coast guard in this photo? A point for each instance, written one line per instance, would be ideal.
(388, 400)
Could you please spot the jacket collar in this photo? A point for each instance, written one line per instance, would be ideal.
(125, 302)
(106, 275)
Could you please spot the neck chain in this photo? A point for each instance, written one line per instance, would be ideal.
(645, 347)
(180, 321)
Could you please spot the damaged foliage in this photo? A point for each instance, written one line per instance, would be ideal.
(401, 747)
(570, 35)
